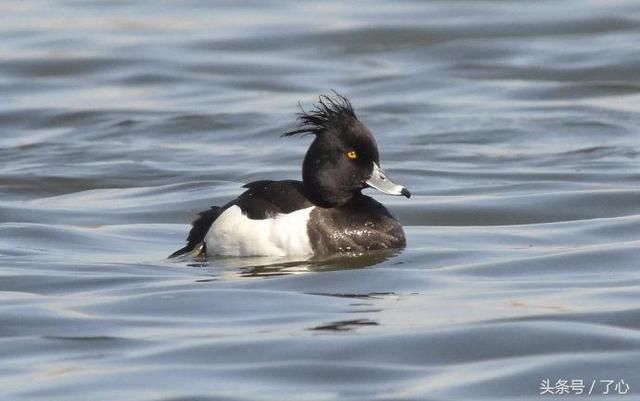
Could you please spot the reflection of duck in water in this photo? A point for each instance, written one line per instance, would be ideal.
(323, 214)
(279, 266)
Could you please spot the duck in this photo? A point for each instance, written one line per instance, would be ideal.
(325, 213)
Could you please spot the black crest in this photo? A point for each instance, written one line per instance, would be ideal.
(331, 112)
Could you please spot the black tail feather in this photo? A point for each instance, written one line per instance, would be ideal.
(199, 229)
(182, 251)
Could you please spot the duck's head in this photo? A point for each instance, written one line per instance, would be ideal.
(343, 158)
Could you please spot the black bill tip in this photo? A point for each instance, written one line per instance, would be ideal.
(405, 192)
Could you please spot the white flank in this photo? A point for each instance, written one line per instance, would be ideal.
(234, 234)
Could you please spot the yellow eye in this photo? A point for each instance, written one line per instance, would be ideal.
(352, 154)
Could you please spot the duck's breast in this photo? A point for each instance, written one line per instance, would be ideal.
(354, 228)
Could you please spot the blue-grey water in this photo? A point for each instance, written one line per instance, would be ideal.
(515, 125)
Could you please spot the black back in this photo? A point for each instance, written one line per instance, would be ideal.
(265, 199)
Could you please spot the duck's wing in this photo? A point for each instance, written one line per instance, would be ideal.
(199, 229)
(261, 200)
(266, 199)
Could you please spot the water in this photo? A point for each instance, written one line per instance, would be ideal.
(514, 125)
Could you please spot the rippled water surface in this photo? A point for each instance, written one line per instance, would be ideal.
(515, 124)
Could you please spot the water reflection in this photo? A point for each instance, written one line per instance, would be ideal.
(252, 267)
(345, 325)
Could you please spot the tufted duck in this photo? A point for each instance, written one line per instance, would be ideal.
(323, 214)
